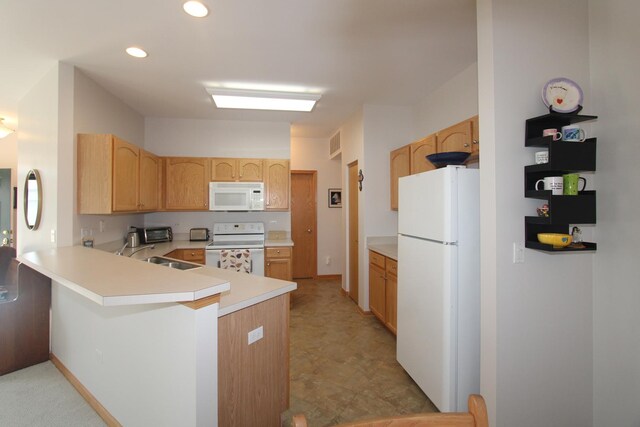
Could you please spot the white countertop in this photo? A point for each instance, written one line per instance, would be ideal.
(245, 289)
(111, 280)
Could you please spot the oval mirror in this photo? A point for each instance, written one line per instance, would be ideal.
(32, 199)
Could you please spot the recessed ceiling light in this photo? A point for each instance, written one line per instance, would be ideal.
(262, 100)
(196, 9)
(136, 52)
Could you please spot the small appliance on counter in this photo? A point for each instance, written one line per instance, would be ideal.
(133, 238)
(155, 234)
(199, 234)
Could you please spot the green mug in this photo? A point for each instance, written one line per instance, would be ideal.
(570, 184)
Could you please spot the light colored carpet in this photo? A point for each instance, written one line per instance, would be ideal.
(41, 396)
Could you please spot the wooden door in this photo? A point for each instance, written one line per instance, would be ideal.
(400, 160)
(125, 176)
(353, 231)
(303, 224)
(276, 183)
(419, 152)
(223, 169)
(250, 170)
(278, 268)
(187, 183)
(150, 170)
(455, 138)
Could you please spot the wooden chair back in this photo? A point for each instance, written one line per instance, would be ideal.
(476, 417)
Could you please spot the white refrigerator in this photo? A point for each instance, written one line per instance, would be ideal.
(438, 337)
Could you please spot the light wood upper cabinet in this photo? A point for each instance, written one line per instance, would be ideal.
(114, 176)
(187, 183)
(150, 178)
(400, 166)
(126, 168)
(419, 152)
(475, 136)
(228, 169)
(276, 184)
(455, 138)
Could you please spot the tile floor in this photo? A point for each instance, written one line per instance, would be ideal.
(343, 364)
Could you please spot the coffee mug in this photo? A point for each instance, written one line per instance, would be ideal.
(552, 132)
(570, 184)
(542, 157)
(573, 133)
(553, 183)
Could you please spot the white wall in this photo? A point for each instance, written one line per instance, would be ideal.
(38, 149)
(541, 342)
(352, 142)
(98, 111)
(614, 33)
(313, 154)
(451, 103)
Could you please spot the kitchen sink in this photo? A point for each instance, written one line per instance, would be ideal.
(171, 263)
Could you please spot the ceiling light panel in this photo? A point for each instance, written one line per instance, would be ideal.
(263, 100)
(195, 9)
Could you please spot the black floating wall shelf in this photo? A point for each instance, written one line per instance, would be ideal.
(564, 157)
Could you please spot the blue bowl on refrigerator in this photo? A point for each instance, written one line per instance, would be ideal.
(441, 160)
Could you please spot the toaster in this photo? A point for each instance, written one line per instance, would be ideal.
(199, 234)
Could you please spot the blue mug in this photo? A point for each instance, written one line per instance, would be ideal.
(573, 133)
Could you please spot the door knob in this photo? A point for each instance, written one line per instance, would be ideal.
(308, 230)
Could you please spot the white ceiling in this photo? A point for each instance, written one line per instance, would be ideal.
(354, 51)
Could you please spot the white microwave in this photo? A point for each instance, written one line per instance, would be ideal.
(236, 196)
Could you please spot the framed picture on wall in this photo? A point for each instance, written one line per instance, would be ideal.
(335, 197)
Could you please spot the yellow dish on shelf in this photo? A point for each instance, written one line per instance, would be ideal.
(558, 240)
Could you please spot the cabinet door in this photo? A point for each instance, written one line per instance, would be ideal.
(187, 182)
(455, 138)
(276, 184)
(125, 176)
(377, 291)
(400, 159)
(278, 268)
(223, 169)
(475, 135)
(250, 170)
(419, 152)
(391, 296)
(150, 171)
(95, 172)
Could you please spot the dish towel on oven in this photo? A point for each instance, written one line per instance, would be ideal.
(236, 259)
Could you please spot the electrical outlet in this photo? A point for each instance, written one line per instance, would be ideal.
(327, 260)
(518, 253)
(99, 356)
(53, 235)
(102, 226)
(255, 335)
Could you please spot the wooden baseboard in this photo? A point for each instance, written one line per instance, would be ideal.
(362, 312)
(86, 394)
(330, 277)
(343, 292)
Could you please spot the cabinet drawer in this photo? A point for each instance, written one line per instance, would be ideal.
(376, 258)
(392, 267)
(279, 252)
(193, 254)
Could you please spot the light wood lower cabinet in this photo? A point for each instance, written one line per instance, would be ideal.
(278, 263)
(253, 379)
(191, 255)
(187, 183)
(383, 289)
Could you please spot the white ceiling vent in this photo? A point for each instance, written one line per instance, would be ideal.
(334, 146)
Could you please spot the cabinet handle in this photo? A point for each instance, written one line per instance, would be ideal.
(268, 264)
(308, 230)
(476, 142)
(466, 144)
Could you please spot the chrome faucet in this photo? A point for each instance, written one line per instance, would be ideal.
(121, 251)
(141, 248)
